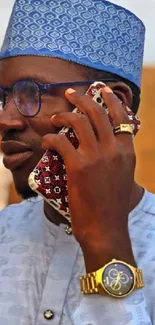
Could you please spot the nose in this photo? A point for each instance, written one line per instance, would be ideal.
(11, 119)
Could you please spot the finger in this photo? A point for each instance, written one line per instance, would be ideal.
(62, 145)
(116, 109)
(95, 112)
(81, 126)
(118, 114)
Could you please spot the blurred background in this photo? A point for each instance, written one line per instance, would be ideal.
(145, 140)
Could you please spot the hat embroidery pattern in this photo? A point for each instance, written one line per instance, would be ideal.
(94, 33)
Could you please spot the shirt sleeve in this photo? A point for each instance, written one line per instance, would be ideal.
(104, 310)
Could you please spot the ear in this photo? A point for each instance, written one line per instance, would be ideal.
(123, 92)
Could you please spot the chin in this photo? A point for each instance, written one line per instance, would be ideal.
(22, 187)
(25, 192)
(21, 175)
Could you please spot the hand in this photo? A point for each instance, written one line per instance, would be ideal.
(100, 177)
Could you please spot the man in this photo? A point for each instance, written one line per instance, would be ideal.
(41, 261)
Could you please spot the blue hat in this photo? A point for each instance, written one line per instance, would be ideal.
(94, 33)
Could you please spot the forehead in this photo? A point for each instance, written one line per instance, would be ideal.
(42, 69)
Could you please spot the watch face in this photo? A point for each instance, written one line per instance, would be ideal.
(118, 279)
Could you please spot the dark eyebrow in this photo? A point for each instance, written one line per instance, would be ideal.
(39, 78)
(35, 77)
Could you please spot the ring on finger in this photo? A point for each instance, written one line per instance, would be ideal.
(123, 128)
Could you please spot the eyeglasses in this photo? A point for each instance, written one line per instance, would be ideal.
(27, 94)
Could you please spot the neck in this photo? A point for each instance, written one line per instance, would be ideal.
(55, 217)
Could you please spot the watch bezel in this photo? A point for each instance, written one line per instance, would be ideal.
(102, 287)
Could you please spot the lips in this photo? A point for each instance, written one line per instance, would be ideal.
(11, 147)
(16, 154)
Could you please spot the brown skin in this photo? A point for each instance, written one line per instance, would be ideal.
(100, 173)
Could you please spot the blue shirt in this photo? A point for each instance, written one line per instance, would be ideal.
(40, 267)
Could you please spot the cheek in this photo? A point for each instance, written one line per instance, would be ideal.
(41, 123)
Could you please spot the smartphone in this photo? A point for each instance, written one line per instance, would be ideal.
(49, 178)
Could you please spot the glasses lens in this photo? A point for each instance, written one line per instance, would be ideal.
(1, 98)
(26, 97)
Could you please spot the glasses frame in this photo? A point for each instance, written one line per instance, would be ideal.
(42, 88)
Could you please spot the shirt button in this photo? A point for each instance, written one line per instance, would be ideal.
(48, 314)
(68, 230)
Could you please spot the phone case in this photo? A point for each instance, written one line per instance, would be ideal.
(49, 178)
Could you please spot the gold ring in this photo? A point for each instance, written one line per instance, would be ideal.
(123, 128)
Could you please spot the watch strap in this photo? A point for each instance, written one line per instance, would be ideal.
(139, 279)
(88, 283)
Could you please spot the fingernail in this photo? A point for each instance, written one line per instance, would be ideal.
(70, 91)
(108, 90)
(53, 116)
(62, 133)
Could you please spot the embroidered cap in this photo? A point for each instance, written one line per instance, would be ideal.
(95, 33)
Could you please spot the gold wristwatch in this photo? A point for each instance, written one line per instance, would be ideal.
(117, 279)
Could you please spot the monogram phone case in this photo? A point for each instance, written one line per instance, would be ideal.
(49, 178)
